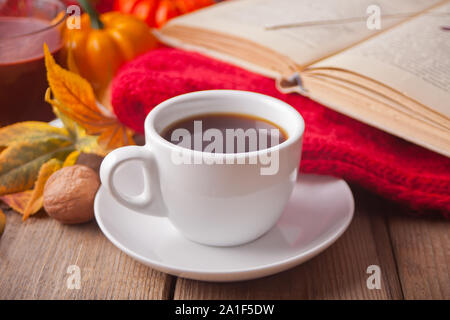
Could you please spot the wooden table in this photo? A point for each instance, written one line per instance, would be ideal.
(413, 254)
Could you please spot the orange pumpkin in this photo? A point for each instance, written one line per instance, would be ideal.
(104, 43)
(157, 12)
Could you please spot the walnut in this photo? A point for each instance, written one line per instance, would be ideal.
(69, 194)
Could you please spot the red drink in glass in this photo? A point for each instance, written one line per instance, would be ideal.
(25, 25)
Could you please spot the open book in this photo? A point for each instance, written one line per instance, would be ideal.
(396, 78)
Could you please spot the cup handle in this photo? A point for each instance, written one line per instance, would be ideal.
(150, 199)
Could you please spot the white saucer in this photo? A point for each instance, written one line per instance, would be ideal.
(320, 210)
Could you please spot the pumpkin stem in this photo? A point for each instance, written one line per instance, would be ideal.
(96, 23)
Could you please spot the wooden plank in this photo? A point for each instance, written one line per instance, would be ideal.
(35, 255)
(422, 251)
(337, 273)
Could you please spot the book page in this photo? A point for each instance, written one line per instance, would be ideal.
(413, 58)
(249, 19)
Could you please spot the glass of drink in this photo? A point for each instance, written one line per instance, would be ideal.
(25, 25)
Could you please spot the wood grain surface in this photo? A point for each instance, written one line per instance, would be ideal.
(422, 251)
(35, 255)
(413, 255)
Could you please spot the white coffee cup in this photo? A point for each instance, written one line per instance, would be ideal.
(211, 203)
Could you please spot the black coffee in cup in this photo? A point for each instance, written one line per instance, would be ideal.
(224, 133)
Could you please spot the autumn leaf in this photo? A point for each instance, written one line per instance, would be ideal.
(30, 131)
(21, 161)
(71, 159)
(26, 147)
(113, 137)
(17, 201)
(2, 222)
(73, 91)
(36, 200)
(83, 142)
(30, 144)
(75, 98)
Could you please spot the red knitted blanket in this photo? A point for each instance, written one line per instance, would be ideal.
(333, 144)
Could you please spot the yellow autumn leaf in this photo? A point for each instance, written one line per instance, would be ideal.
(71, 159)
(21, 161)
(30, 131)
(83, 142)
(75, 98)
(25, 146)
(36, 200)
(2, 222)
(114, 137)
(17, 201)
(71, 89)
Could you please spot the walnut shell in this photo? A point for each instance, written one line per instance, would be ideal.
(69, 194)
